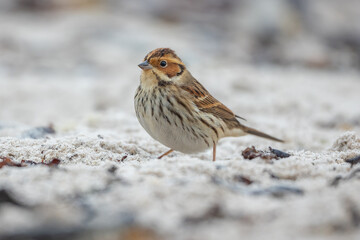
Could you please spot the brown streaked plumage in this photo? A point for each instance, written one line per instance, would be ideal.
(176, 110)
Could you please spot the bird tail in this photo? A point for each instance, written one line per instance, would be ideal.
(255, 132)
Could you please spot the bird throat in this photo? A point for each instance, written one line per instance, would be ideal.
(150, 79)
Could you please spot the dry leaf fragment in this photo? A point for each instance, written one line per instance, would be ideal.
(24, 163)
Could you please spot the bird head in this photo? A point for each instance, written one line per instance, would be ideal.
(164, 64)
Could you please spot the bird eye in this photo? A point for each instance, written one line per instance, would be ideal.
(163, 63)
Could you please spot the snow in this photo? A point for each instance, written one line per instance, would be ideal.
(110, 182)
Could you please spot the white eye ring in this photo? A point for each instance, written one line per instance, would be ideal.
(163, 63)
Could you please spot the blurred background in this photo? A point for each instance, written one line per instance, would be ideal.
(69, 68)
(63, 60)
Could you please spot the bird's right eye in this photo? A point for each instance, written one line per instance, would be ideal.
(163, 63)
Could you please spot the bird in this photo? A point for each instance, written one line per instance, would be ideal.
(177, 110)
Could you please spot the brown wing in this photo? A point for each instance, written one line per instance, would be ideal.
(207, 103)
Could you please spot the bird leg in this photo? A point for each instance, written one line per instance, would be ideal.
(168, 152)
(214, 152)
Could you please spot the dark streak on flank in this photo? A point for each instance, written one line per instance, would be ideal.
(169, 101)
(138, 102)
(146, 100)
(162, 114)
(167, 119)
(142, 101)
(152, 99)
(203, 135)
(161, 109)
(152, 102)
(163, 83)
(222, 128)
(183, 105)
(161, 91)
(138, 92)
(176, 114)
(194, 133)
(208, 125)
(190, 119)
(146, 97)
(207, 143)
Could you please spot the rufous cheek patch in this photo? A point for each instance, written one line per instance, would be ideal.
(172, 70)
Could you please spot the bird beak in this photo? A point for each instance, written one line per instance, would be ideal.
(145, 65)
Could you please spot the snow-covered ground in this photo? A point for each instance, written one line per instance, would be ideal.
(78, 73)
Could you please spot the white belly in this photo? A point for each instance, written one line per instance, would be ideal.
(181, 136)
(175, 137)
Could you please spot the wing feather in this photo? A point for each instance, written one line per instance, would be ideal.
(207, 103)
